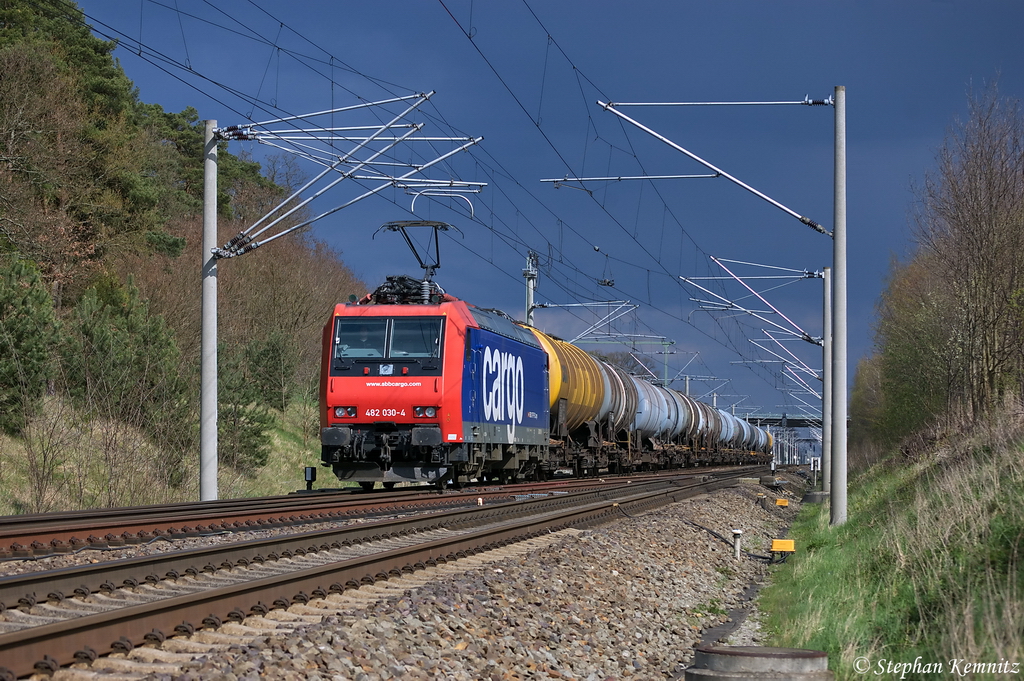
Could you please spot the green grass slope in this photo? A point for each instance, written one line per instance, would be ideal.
(928, 565)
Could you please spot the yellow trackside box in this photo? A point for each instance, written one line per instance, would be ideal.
(782, 502)
(783, 546)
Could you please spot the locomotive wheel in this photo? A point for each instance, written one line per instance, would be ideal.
(367, 486)
(389, 485)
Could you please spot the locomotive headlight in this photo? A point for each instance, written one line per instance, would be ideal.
(430, 412)
(424, 412)
(342, 412)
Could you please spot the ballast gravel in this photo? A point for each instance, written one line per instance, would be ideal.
(627, 600)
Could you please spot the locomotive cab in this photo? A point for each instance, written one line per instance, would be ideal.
(382, 395)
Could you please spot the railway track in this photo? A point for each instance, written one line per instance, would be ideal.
(47, 534)
(55, 618)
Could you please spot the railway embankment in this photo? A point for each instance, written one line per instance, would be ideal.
(926, 578)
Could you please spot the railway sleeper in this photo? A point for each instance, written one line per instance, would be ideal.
(155, 654)
(124, 665)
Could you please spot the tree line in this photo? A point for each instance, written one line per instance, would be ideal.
(100, 235)
(950, 328)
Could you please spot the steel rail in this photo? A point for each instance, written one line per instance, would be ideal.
(61, 527)
(23, 589)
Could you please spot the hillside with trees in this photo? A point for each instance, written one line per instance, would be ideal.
(100, 226)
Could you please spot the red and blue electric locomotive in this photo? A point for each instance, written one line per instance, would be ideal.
(412, 391)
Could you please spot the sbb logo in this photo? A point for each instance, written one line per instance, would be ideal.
(503, 388)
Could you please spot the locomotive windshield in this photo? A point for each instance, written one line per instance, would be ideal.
(361, 337)
(392, 338)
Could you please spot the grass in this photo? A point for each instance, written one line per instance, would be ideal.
(928, 563)
(294, 445)
(66, 461)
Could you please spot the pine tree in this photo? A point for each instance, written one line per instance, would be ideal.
(28, 332)
(121, 362)
(272, 362)
(243, 420)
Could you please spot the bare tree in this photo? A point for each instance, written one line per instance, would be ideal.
(625, 360)
(918, 370)
(47, 439)
(971, 229)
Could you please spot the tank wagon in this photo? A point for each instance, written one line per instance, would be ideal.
(417, 385)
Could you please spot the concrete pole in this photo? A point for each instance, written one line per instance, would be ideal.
(208, 387)
(531, 284)
(839, 406)
(826, 390)
(664, 367)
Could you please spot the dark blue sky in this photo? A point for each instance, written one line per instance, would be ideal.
(528, 82)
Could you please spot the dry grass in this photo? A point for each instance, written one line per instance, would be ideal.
(66, 461)
(961, 541)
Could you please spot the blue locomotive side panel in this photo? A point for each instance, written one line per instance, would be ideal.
(504, 391)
